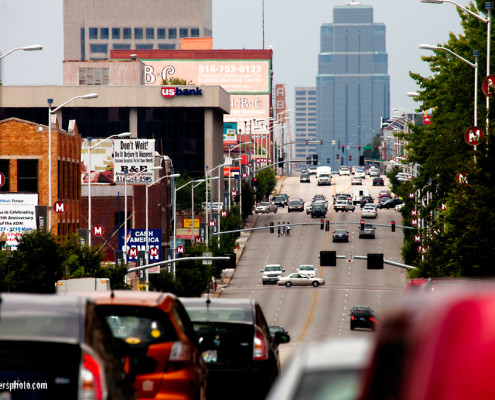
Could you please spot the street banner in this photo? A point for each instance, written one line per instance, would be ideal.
(17, 216)
(132, 158)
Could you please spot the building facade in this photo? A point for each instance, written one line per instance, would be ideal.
(306, 123)
(93, 28)
(353, 85)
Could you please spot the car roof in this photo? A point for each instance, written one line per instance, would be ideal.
(131, 297)
(215, 302)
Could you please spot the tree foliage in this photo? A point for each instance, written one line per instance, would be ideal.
(266, 183)
(460, 219)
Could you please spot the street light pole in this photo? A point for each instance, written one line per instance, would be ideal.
(120, 135)
(33, 47)
(50, 112)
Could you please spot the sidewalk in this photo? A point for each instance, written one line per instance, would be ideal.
(241, 242)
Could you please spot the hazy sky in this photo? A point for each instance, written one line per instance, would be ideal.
(291, 27)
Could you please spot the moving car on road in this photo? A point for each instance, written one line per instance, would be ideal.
(391, 203)
(378, 181)
(356, 180)
(344, 171)
(318, 210)
(266, 207)
(369, 211)
(362, 317)
(304, 177)
(340, 235)
(237, 345)
(297, 279)
(344, 205)
(281, 200)
(307, 270)
(271, 272)
(367, 232)
(295, 205)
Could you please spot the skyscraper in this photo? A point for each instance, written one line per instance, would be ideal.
(353, 85)
(93, 28)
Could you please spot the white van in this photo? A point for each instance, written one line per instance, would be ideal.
(359, 192)
(82, 285)
(324, 175)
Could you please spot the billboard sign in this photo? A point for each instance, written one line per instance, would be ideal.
(101, 161)
(132, 158)
(235, 76)
(137, 240)
(230, 133)
(17, 216)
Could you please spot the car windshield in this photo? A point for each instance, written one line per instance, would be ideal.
(274, 268)
(264, 204)
(306, 268)
(38, 324)
(340, 231)
(203, 313)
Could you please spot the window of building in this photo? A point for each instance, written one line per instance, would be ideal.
(300, 125)
(312, 92)
(104, 33)
(183, 32)
(300, 103)
(27, 176)
(144, 47)
(115, 33)
(93, 33)
(83, 44)
(127, 33)
(172, 33)
(150, 33)
(300, 93)
(301, 119)
(122, 46)
(160, 33)
(194, 32)
(98, 48)
(5, 170)
(138, 33)
(166, 46)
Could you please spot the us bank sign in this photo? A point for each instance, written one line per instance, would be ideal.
(169, 92)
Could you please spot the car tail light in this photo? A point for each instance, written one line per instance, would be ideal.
(180, 354)
(373, 320)
(260, 349)
(352, 317)
(91, 379)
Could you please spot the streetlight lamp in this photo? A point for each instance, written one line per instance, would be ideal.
(33, 47)
(50, 112)
(120, 135)
(489, 5)
(147, 257)
(473, 65)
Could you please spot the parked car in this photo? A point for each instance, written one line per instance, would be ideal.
(362, 317)
(265, 207)
(241, 353)
(271, 272)
(390, 203)
(318, 210)
(61, 341)
(281, 200)
(367, 232)
(329, 369)
(295, 205)
(307, 270)
(378, 181)
(165, 359)
(340, 235)
(344, 205)
(297, 279)
(369, 211)
(304, 177)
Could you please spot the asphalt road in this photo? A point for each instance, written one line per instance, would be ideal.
(310, 314)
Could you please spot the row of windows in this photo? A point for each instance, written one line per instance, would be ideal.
(142, 33)
(304, 92)
(103, 47)
(300, 103)
(27, 175)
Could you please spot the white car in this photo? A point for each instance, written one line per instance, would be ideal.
(265, 207)
(369, 211)
(344, 171)
(356, 180)
(360, 172)
(296, 279)
(312, 170)
(307, 270)
(271, 273)
(374, 172)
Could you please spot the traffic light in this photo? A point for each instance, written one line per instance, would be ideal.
(328, 160)
(342, 148)
(350, 158)
(338, 156)
(255, 181)
(393, 226)
(376, 147)
(362, 224)
(308, 160)
(359, 148)
(328, 258)
(327, 226)
(322, 224)
(315, 159)
(375, 261)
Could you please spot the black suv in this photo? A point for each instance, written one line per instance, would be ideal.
(318, 210)
(281, 200)
(61, 341)
(237, 346)
(362, 317)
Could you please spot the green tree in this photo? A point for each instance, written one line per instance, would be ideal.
(176, 82)
(460, 218)
(266, 183)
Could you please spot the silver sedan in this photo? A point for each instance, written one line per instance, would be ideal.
(299, 280)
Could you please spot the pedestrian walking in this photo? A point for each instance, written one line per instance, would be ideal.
(288, 229)
(279, 234)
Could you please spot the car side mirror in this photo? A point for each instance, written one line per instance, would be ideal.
(283, 270)
(281, 337)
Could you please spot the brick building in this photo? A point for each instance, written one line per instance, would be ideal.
(24, 163)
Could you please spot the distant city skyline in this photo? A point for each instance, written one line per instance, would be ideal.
(292, 30)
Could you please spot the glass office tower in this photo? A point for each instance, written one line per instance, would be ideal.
(353, 85)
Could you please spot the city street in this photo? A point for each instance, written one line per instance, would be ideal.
(310, 314)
